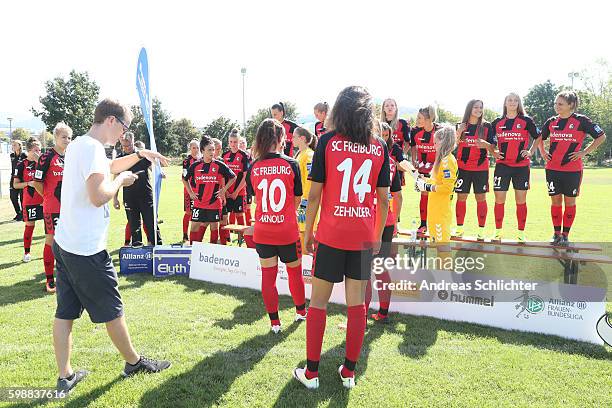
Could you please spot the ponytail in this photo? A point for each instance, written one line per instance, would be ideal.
(429, 112)
(305, 133)
(270, 133)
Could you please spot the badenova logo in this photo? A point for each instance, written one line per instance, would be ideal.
(531, 304)
(215, 260)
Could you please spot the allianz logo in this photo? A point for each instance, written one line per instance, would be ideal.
(130, 256)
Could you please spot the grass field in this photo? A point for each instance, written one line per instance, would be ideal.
(218, 337)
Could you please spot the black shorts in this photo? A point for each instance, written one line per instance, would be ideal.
(235, 206)
(51, 220)
(205, 215)
(86, 283)
(33, 212)
(332, 264)
(563, 182)
(287, 253)
(467, 178)
(503, 174)
(249, 199)
(385, 245)
(224, 211)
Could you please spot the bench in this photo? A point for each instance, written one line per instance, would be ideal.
(238, 229)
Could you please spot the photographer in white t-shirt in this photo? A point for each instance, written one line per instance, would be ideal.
(86, 278)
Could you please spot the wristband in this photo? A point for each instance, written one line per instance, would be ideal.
(429, 187)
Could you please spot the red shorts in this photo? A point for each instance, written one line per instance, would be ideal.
(51, 222)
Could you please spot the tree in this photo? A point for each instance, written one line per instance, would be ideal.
(71, 101)
(264, 113)
(539, 101)
(220, 128)
(184, 131)
(445, 116)
(489, 115)
(21, 134)
(46, 138)
(165, 140)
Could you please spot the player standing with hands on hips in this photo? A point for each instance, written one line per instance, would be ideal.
(86, 277)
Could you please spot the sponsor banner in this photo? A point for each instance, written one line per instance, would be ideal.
(171, 260)
(135, 260)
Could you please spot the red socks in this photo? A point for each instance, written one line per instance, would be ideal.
(384, 295)
(270, 293)
(186, 219)
(27, 238)
(460, 212)
(556, 212)
(225, 235)
(315, 329)
(49, 261)
(197, 235)
(499, 215)
(568, 218)
(248, 239)
(296, 287)
(521, 215)
(232, 218)
(214, 236)
(247, 214)
(481, 211)
(128, 234)
(355, 330)
(240, 219)
(423, 207)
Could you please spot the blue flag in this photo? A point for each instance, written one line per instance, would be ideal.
(142, 84)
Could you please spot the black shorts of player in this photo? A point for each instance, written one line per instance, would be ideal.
(235, 205)
(467, 178)
(249, 199)
(205, 215)
(385, 245)
(86, 283)
(563, 182)
(51, 220)
(504, 174)
(287, 253)
(333, 264)
(33, 213)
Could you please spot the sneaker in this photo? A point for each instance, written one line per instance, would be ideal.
(27, 257)
(498, 235)
(556, 239)
(145, 365)
(300, 375)
(459, 231)
(481, 235)
(300, 318)
(379, 318)
(347, 382)
(564, 241)
(422, 230)
(64, 385)
(275, 328)
(521, 237)
(50, 286)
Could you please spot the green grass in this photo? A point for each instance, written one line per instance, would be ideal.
(218, 340)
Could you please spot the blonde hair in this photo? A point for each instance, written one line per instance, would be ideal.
(429, 112)
(321, 107)
(61, 127)
(383, 117)
(193, 142)
(216, 141)
(520, 110)
(448, 141)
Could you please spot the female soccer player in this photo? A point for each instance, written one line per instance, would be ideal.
(566, 132)
(248, 199)
(350, 166)
(424, 152)
(306, 143)
(401, 130)
(475, 141)
(320, 112)
(32, 201)
(206, 180)
(278, 113)
(220, 236)
(16, 195)
(441, 187)
(193, 156)
(512, 132)
(237, 160)
(274, 179)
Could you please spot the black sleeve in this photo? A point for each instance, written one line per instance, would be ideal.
(19, 171)
(546, 129)
(249, 185)
(405, 130)
(413, 133)
(42, 166)
(531, 128)
(591, 128)
(490, 134)
(189, 174)
(245, 162)
(297, 178)
(225, 171)
(384, 177)
(317, 170)
(494, 126)
(292, 126)
(396, 183)
(397, 153)
(185, 163)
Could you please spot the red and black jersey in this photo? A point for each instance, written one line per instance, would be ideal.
(350, 173)
(513, 137)
(187, 162)
(319, 129)
(396, 185)
(424, 143)
(50, 172)
(239, 163)
(469, 156)
(275, 181)
(566, 137)
(205, 180)
(401, 134)
(25, 172)
(289, 128)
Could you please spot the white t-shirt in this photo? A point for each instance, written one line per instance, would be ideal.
(82, 227)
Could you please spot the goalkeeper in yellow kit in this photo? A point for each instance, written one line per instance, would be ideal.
(441, 186)
(306, 143)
